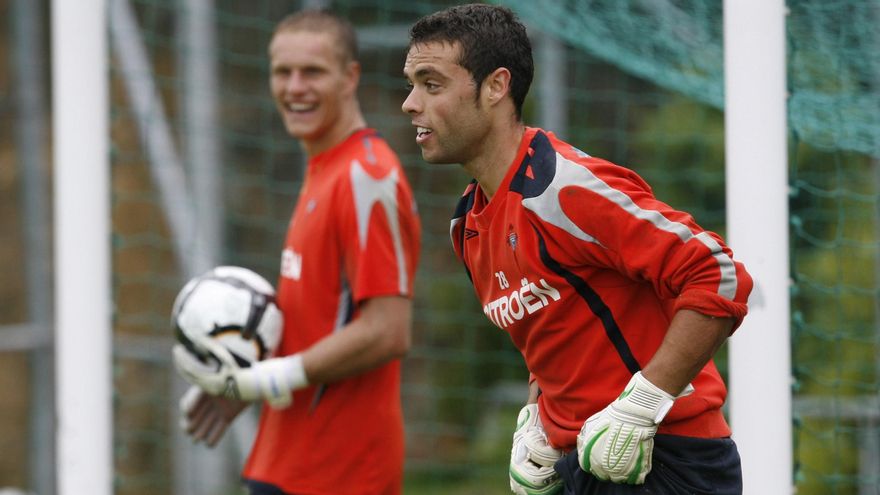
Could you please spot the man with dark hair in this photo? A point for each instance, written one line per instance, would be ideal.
(616, 301)
(334, 425)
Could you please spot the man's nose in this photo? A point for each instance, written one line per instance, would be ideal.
(411, 104)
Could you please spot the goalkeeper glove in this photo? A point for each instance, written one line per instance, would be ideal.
(272, 379)
(532, 457)
(206, 417)
(617, 443)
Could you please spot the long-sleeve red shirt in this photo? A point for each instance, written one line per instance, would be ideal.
(578, 261)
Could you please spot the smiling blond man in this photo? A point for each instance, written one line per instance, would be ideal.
(333, 424)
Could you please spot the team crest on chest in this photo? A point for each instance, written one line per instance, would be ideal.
(512, 240)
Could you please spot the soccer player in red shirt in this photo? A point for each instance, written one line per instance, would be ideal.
(334, 422)
(616, 301)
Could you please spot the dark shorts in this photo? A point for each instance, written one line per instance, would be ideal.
(258, 488)
(681, 465)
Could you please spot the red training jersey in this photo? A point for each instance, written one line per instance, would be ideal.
(354, 235)
(578, 261)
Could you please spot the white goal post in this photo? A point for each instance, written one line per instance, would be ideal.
(82, 247)
(757, 219)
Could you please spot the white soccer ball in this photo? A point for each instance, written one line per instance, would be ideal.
(230, 306)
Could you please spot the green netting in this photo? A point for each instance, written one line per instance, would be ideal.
(834, 59)
(834, 74)
(675, 44)
(836, 343)
(835, 219)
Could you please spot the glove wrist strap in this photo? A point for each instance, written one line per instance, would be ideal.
(644, 399)
(287, 372)
(296, 372)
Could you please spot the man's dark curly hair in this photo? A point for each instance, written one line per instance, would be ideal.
(490, 37)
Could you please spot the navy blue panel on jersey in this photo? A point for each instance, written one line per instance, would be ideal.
(541, 162)
(466, 203)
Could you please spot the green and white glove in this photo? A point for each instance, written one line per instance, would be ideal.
(617, 443)
(272, 380)
(532, 457)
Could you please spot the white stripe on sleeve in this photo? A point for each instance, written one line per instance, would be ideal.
(369, 191)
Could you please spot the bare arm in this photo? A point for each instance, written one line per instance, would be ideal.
(380, 333)
(534, 391)
(692, 340)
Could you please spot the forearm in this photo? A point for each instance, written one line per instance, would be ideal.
(380, 334)
(690, 342)
(534, 392)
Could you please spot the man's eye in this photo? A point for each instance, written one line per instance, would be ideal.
(431, 86)
(409, 86)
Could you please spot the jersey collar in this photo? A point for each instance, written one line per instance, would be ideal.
(327, 157)
(484, 208)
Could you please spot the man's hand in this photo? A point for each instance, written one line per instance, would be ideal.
(532, 458)
(206, 417)
(273, 379)
(617, 443)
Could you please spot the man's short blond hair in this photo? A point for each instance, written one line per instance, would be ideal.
(323, 21)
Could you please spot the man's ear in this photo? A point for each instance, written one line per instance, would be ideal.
(353, 76)
(496, 86)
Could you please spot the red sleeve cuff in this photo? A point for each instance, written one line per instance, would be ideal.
(711, 304)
